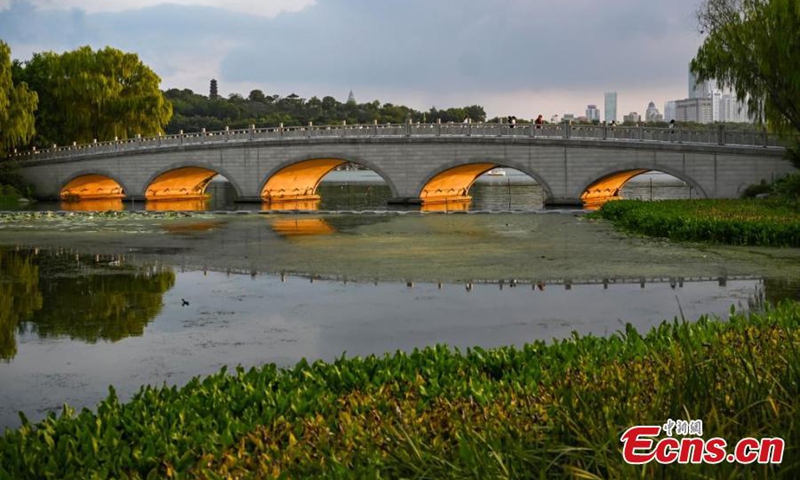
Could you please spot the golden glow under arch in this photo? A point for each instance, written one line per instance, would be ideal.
(92, 187)
(184, 183)
(452, 185)
(607, 188)
(298, 182)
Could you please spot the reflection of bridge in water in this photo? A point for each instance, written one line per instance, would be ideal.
(151, 267)
(431, 164)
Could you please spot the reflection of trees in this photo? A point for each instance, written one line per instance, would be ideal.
(77, 297)
(19, 298)
(104, 306)
(777, 289)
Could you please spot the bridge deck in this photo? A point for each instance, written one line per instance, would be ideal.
(716, 136)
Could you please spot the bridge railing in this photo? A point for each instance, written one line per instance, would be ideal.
(716, 135)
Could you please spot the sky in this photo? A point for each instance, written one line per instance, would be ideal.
(514, 57)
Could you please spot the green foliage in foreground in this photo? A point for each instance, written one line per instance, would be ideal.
(733, 222)
(540, 411)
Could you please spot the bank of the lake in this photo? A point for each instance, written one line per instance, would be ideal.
(543, 410)
(733, 222)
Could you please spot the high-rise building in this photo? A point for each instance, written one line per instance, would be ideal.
(592, 113)
(669, 110)
(698, 110)
(611, 107)
(700, 89)
(652, 114)
(732, 110)
(722, 104)
(632, 117)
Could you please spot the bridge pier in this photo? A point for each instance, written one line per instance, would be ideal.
(563, 202)
(405, 201)
(249, 200)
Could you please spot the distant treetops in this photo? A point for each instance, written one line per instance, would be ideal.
(194, 111)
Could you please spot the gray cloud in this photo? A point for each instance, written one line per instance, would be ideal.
(436, 46)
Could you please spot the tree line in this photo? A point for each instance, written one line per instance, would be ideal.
(193, 111)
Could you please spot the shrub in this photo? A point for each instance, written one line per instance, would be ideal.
(733, 222)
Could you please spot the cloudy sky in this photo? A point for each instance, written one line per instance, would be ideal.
(521, 57)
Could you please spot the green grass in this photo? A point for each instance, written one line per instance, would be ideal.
(541, 411)
(9, 196)
(732, 222)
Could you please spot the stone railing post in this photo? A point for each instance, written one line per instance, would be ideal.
(641, 133)
(605, 131)
(180, 136)
(567, 130)
(310, 127)
(765, 138)
(203, 135)
(280, 129)
(438, 127)
(375, 127)
(252, 132)
(227, 133)
(159, 139)
(721, 135)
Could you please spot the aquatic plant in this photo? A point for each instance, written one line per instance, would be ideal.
(540, 411)
(733, 222)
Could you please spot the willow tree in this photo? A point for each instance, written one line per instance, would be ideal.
(753, 47)
(101, 95)
(17, 104)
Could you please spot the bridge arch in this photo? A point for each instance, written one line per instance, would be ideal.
(185, 180)
(607, 184)
(93, 184)
(452, 181)
(297, 179)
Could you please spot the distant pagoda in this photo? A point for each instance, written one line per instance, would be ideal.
(213, 91)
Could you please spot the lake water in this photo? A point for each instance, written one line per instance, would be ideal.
(87, 302)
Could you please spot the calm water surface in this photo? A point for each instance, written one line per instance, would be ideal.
(78, 323)
(90, 302)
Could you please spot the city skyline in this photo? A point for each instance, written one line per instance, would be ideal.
(513, 58)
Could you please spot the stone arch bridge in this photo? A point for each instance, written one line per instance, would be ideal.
(421, 163)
